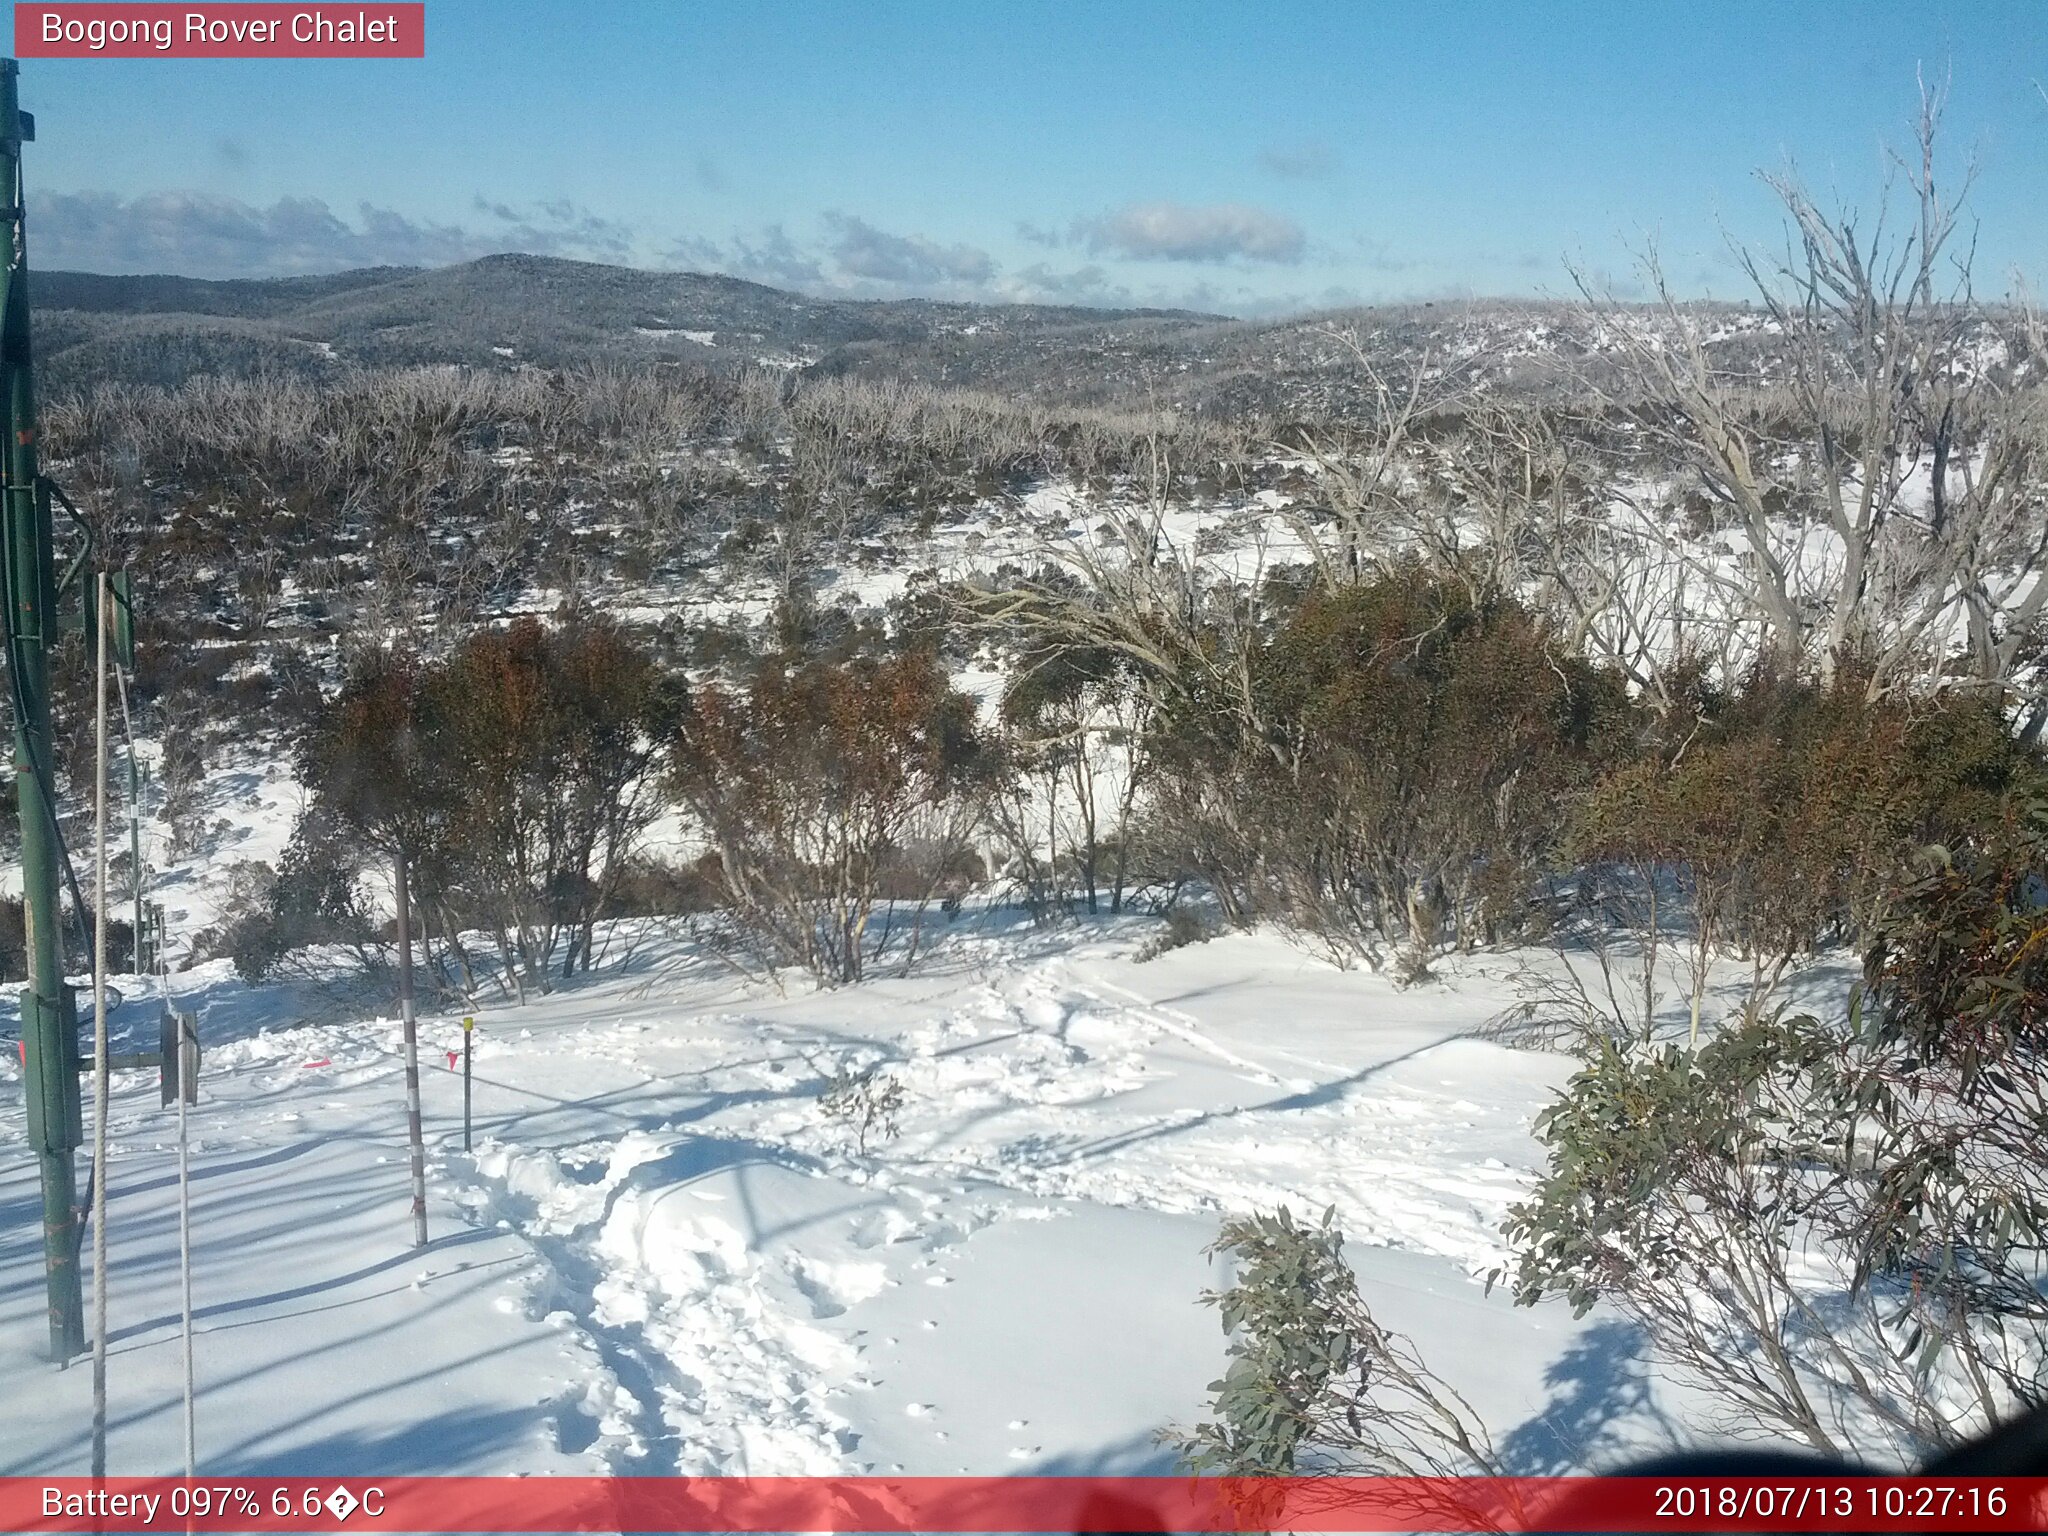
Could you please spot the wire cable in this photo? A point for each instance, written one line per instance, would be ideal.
(44, 776)
(160, 966)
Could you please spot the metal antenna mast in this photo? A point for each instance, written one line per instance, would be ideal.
(49, 1018)
(32, 617)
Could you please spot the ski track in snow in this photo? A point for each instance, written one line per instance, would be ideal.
(1034, 1090)
(662, 1257)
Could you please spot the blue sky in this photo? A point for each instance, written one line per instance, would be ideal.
(1244, 157)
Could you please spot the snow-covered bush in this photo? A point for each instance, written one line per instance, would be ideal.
(1686, 1190)
(1949, 1080)
(1395, 772)
(1183, 926)
(1777, 821)
(552, 741)
(514, 778)
(864, 1100)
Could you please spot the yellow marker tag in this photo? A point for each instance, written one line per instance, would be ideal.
(468, 1025)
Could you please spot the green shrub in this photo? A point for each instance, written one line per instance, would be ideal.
(1401, 771)
(1314, 1380)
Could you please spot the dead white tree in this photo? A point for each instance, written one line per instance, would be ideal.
(1873, 455)
(1176, 614)
(1369, 510)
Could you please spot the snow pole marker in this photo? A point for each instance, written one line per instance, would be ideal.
(186, 1058)
(102, 1066)
(412, 1051)
(468, 1055)
(124, 610)
(178, 1056)
(185, 1262)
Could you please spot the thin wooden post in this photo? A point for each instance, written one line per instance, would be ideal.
(412, 1056)
(187, 1062)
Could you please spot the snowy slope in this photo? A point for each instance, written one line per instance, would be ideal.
(662, 1257)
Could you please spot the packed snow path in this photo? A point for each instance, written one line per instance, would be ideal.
(663, 1257)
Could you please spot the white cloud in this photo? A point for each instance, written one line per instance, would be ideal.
(863, 251)
(1162, 231)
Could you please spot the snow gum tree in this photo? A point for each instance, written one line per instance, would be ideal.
(516, 777)
(1408, 754)
(1074, 717)
(821, 785)
(1878, 470)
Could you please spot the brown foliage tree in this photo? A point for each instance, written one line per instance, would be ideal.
(516, 777)
(821, 785)
(1783, 822)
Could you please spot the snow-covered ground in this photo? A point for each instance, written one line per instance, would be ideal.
(663, 1256)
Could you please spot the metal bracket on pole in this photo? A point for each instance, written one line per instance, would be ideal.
(180, 1057)
(177, 1055)
(56, 1118)
(120, 586)
(73, 579)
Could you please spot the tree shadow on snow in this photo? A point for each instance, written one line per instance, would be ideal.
(1143, 1455)
(1602, 1407)
(409, 1447)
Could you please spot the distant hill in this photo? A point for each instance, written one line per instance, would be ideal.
(159, 294)
(497, 311)
(517, 311)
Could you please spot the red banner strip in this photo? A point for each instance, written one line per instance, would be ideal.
(251, 31)
(1167, 1505)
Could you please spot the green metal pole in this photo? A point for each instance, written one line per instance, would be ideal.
(48, 1017)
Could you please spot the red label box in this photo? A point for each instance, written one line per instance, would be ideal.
(910, 1506)
(97, 29)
